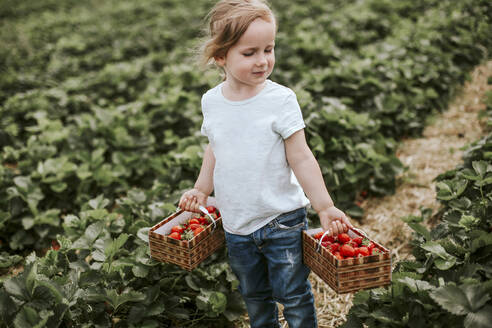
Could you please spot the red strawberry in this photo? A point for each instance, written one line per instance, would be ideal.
(347, 251)
(178, 229)
(338, 255)
(331, 239)
(197, 231)
(194, 221)
(194, 226)
(318, 235)
(55, 245)
(175, 235)
(334, 247)
(343, 238)
(364, 251)
(211, 209)
(357, 240)
(353, 243)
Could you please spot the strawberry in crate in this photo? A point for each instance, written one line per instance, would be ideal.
(195, 225)
(343, 246)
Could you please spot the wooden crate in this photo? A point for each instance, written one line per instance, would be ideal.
(187, 254)
(347, 275)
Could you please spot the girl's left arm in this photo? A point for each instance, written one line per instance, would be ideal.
(308, 173)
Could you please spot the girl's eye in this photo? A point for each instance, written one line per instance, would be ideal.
(268, 50)
(248, 54)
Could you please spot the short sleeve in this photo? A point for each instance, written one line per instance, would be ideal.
(289, 119)
(203, 129)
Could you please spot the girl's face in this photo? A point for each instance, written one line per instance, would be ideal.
(250, 61)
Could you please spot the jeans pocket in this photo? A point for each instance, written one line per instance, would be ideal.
(291, 221)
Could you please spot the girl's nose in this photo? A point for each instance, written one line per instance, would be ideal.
(262, 60)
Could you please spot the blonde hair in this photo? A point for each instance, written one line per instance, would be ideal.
(227, 22)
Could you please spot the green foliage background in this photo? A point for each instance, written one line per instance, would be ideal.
(99, 136)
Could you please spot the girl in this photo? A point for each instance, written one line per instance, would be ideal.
(259, 165)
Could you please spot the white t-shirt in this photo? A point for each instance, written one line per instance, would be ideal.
(253, 182)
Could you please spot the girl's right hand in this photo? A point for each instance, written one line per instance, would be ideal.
(192, 199)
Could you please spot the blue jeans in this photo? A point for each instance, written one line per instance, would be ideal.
(268, 264)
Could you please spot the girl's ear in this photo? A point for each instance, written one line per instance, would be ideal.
(220, 60)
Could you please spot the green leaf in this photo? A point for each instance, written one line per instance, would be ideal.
(140, 270)
(485, 182)
(416, 285)
(412, 219)
(41, 296)
(84, 172)
(480, 319)
(420, 229)
(100, 247)
(436, 249)
(99, 202)
(235, 307)
(480, 239)
(452, 299)
(53, 288)
(469, 222)
(143, 234)
(58, 187)
(30, 274)
(115, 245)
(451, 189)
(445, 264)
(477, 295)
(9, 307)
(469, 174)
(211, 302)
(30, 318)
(98, 214)
(23, 183)
(116, 300)
(461, 204)
(7, 260)
(444, 260)
(191, 283)
(93, 231)
(480, 167)
(386, 315)
(137, 196)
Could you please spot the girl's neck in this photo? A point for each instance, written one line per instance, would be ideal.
(238, 92)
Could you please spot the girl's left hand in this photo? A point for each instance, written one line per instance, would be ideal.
(334, 220)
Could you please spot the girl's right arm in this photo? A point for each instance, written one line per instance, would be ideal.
(204, 185)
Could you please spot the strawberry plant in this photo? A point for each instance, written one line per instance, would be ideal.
(101, 272)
